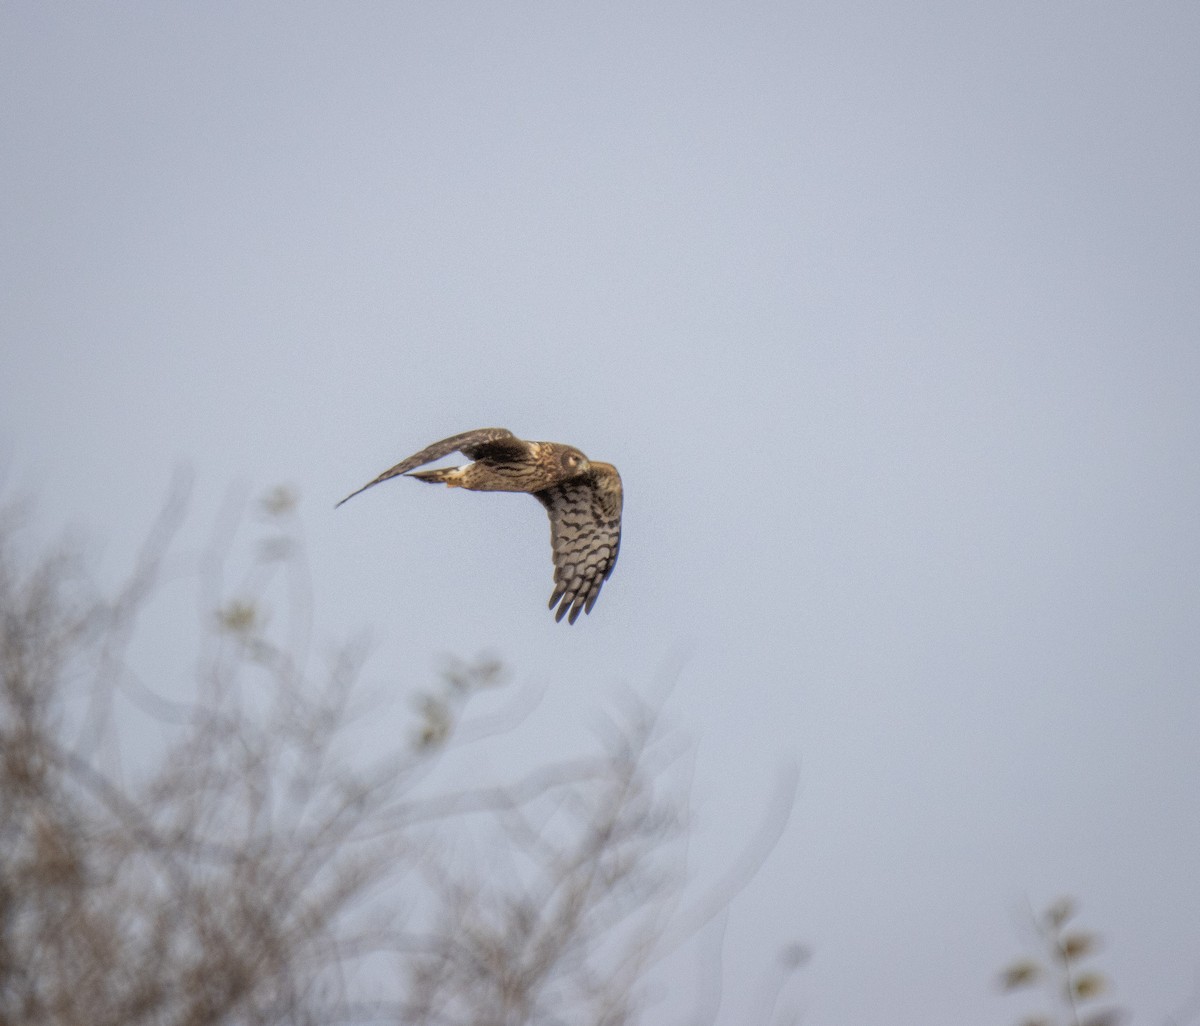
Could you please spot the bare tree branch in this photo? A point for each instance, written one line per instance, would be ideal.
(253, 868)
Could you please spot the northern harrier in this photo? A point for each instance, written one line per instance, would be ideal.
(582, 497)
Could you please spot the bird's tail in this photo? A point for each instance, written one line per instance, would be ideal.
(444, 475)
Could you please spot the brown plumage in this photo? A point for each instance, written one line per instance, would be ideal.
(583, 499)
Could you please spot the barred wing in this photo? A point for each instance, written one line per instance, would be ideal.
(478, 444)
(585, 535)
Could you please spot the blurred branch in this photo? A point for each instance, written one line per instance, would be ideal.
(120, 615)
(1073, 987)
(252, 868)
(771, 827)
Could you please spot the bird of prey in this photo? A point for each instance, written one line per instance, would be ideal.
(583, 498)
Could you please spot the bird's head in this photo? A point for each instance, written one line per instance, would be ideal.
(572, 460)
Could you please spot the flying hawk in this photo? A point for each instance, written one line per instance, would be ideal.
(583, 499)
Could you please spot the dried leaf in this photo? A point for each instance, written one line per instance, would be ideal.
(238, 617)
(438, 721)
(1076, 945)
(1020, 974)
(1059, 912)
(279, 500)
(1089, 985)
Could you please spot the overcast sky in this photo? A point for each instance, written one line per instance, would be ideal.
(887, 312)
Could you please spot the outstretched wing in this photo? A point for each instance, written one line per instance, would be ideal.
(478, 444)
(585, 535)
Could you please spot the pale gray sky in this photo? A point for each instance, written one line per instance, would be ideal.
(887, 312)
